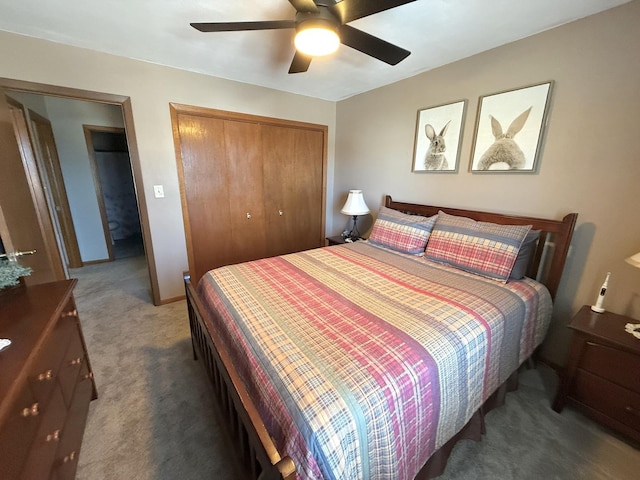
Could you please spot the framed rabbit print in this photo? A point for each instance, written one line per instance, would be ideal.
(509, 130)
(438, 138)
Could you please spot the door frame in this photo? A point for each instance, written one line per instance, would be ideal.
(87, 129)
(127, 113)
(55, 181)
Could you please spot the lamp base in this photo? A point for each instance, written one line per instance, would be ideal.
(597, 309)
(354, 234)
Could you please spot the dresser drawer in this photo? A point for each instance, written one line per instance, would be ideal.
(616, 365)
(45, 444)
(73, 361)
(17, 433)
(46, 367)
(617, 403)
(67, 456)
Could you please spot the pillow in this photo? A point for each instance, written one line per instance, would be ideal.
(401, 232)
(527, 249)
(483, 248)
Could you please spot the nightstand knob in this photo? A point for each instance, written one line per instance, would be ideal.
(280, 212)
(70, 313)
(76, 361)
(248, 215)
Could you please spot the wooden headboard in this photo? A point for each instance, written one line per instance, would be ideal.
(553, 245)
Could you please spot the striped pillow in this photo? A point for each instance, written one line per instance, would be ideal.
(483, 248)
(401, 232)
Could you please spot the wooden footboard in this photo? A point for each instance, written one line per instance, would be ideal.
(258, 453)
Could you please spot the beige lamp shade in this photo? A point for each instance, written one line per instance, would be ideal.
(634, 260)
(355, 204)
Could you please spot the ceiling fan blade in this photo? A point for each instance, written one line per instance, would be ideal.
(304, 5)
(238, 26)
(349, 10)
(372, 46)
(300, 63)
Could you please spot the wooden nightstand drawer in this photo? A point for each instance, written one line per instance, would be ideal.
(620, 404)
(615, 365)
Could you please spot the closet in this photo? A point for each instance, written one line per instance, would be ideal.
(251, 187)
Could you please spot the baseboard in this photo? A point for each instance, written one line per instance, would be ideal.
(172, 299)
(94, 262)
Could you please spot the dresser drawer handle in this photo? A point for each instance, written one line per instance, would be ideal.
(69, 458)
(632, 411)
(53, 436)
(48, 375)
(76, 361)
(31, 411)
(70, 313)
(88, 376)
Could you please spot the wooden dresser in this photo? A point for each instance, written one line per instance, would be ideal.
(602, 377)
(46, 383)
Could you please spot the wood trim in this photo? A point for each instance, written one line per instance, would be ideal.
(87, 129)
(143, 212)
(37, 192)
(95, 262)
(179, 298)
(242, 117)
(134, 155)
(58, 190)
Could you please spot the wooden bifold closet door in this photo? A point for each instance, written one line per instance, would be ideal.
(251, 187)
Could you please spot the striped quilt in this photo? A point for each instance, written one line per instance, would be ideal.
(363, 361)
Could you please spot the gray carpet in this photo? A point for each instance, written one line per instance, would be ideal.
(155, 419)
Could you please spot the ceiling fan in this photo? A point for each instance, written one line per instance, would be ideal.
(321, 25)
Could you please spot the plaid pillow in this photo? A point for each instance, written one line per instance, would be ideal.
(483, 248)
(401, 232)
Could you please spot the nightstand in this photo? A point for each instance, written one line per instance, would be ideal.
(602, 377)
(337, 240)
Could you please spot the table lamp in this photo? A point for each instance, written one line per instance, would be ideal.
(354, 206)
(634, 260)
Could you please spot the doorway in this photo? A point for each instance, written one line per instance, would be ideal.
(115, 190)
(124, 103)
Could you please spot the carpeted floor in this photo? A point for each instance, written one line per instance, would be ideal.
(155, 419)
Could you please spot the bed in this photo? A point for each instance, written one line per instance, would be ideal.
(371, 359)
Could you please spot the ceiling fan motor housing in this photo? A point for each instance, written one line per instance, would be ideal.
(323, 18)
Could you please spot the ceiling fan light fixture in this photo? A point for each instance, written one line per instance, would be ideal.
(317, 39)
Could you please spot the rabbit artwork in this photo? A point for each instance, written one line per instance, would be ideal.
(435, 158)
(504, 153)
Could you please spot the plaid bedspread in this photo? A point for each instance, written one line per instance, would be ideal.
(363, 361)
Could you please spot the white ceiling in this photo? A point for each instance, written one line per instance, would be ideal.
(437, 32)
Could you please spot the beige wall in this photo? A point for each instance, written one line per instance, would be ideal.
(590, 162)
(151, 88)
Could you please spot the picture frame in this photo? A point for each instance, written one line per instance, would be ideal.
(438, 138)
(510, 128)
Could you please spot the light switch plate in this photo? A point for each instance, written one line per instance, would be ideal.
(158, 191)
